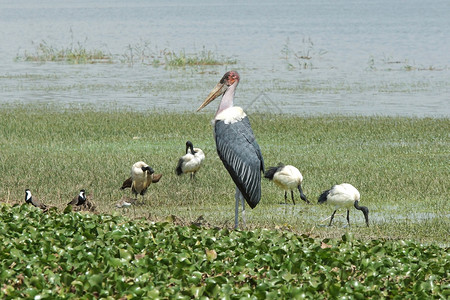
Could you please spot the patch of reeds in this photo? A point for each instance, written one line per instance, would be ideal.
(73, 54)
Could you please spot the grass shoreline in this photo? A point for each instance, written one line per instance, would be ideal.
(397, 163)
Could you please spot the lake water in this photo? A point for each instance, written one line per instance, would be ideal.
(363, 57)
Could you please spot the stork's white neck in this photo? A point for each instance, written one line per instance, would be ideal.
(227, 98)
(231, 115)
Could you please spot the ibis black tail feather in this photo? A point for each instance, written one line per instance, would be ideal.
(272, 170)
(178, 170)
(323, 196)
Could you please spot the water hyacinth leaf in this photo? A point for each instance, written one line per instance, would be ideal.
(125, 254)
(69, 260)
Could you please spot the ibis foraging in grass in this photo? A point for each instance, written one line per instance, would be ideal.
(141, 177)
(191, 161)
(287, 178)
(236, 144)
(78, 200)
(34, 201)
(344, 195)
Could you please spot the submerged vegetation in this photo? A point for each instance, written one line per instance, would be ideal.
(75, 255)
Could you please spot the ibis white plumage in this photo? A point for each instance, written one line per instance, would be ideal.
(288, 178)
(344, 195)
(236, 144)
(191, 161)
(142, 175)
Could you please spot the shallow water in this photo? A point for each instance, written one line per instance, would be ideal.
(376, 58)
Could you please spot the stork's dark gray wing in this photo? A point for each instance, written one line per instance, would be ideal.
(241, 156)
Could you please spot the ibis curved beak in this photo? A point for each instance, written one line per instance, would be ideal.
(216, 92)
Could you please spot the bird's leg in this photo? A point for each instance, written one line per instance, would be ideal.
(292, 196)
(243, 210)
(238, 196)
(236, 208)
(285, 197)
(348, 217)
(332, 216)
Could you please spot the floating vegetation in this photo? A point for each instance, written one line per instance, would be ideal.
(72, 255)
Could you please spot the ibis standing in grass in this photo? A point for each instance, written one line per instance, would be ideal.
(344, 195)
(191, 161)
(287, 178)
(142, 175)
(236, 144)
(34, 201)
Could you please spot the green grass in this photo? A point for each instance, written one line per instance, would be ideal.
(400, 166)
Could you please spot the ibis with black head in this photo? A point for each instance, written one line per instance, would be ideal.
(344, 195)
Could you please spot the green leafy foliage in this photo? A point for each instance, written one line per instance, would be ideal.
(76, 255)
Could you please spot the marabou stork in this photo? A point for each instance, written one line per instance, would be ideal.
(34, 201)
(78, 200)
(287, 178)
(191, 161)
(236, 144)
(141, 177)
(344, 195)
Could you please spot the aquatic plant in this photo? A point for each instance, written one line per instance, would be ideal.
(74, 54)
(74, 255)
(303, 57)
(204, 58)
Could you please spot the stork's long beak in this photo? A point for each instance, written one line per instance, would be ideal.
(216, 92)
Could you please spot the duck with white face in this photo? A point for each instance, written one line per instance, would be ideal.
(142, 175)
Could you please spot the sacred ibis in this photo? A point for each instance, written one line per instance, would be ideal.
(191, 161)
(344, 195)
(287, 177)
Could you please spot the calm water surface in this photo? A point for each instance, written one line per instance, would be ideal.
(365, 57)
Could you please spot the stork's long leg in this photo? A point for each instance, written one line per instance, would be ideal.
(348, 217)
(292, 196)
(332, 216)
(236, 208)
(243, 210)
(239, 197)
